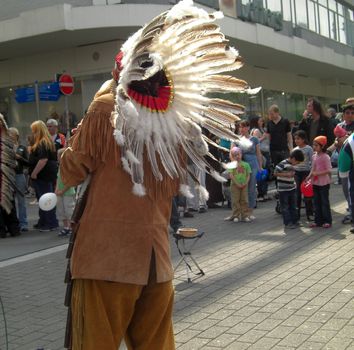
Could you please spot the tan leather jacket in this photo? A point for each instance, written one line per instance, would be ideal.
(118, 230)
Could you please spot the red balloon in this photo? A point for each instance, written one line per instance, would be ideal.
(306, 189)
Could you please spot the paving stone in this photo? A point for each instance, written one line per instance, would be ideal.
(204, 324)
(194, 344)
(280, 332)
(268, 324)
(252, 336)
(223, 340)
(264, 344)
(294, 340)
(241, 328)
(338, 343)
(323, 336)
(335, 324)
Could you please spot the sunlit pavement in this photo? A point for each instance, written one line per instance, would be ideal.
(263, 288)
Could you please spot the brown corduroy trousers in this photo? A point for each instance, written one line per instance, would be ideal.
(104, 313)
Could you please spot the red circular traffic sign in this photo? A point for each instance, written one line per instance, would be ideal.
(66, 84)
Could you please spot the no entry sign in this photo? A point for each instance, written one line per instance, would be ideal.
(66, 84)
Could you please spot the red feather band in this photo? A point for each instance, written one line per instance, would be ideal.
(160, 103)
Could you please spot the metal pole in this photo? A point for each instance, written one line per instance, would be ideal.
(67, 121)
(36, 93)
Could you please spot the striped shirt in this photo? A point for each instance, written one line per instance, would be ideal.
(285, 183)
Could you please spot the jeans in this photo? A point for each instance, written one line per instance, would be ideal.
(299, 178)
(47, 219)
(21, 184)
(322, 206)
(262, 185)
(288, 206)
(278, 156)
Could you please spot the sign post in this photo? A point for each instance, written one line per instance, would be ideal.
(66, 86)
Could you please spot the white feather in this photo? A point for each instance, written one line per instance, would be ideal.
(244, 143)
(185, 191)
(218, 14)
(253, 91)
(217, 176)
(129, 109)
(132, 158)
(185, 8)
(126, 166)
(139, 190)
(204, 194)
(119, 137)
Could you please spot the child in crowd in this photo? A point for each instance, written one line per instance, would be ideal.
(302, 170)
(286, 187)
(65, 204)
(321, 178)
(240, 177)
(341, 135)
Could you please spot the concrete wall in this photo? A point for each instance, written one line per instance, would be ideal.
(12, 8)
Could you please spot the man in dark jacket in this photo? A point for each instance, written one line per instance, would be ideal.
(315, 122)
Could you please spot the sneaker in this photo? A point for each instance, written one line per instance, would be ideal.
(44, 229)
(64, 232)
(202, 210)
(247, 219)
(54, 228)
(326, 225)
(313, 225)
(252, 217)
(352, 230)
(236, 220)
(261, 199)
(289, 226)
(229, 218)
(187, 214)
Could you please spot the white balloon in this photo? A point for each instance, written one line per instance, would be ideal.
(47, 201)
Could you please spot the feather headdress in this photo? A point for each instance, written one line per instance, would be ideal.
(168, 68)
(8, 164)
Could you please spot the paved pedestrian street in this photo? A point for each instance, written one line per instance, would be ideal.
(263, 288)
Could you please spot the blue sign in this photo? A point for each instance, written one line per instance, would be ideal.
(23, 95)
(47, 92)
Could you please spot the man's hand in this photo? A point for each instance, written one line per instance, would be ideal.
(58, 192)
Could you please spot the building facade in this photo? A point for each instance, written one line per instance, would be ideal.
(293, 49)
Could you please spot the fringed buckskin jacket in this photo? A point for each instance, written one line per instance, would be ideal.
(118, 230)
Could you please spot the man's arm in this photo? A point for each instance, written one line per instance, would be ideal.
(290, 141)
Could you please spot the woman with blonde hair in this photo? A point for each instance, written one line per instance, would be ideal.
(43, 170)
(20, 179)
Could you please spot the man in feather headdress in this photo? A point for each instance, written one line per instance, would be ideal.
(132, 145)
(8, 217)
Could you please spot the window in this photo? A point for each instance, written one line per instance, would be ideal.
(341, 29)
(313, 25)
(287, 10)
(274, 5)
(324, 25)
(332, 5)
(301, 13)
(333, 25)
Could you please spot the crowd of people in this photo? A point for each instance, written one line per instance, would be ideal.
(264, 151)
(36, 167)
(293, 156)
